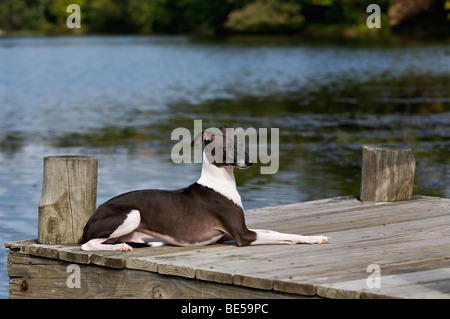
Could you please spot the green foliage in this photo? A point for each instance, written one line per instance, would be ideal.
(218, 16)
(149, 15)
(266, 16)
(55, 12)
(21, 15)
(110, 16)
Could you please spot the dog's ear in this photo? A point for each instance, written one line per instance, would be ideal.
(198, 139)
(206, 136)
(224, 129)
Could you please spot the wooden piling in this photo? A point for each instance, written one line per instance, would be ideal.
(68, 199)
(387, 173)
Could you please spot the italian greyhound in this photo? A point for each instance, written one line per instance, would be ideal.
(203, 213)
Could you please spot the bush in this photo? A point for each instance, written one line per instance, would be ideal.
(266, 16)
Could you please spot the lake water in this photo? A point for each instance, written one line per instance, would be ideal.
(119, 98)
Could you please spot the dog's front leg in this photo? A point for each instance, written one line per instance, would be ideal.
(266, 237)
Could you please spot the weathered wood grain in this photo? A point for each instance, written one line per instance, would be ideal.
(68, 198)
(387, 173)
(47, 278)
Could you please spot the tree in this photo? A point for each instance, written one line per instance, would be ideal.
(401, 10)
(55, 14)
(149, 15)
(111, 16)
(420, 16)
(21, 15)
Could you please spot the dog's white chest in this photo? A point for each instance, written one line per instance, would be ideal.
(221, 180)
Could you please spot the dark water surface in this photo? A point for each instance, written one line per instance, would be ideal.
(119, 98)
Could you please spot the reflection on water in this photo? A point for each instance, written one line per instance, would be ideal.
(119, 98)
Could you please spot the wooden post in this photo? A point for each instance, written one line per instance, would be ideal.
(68, 199)
(387, 173)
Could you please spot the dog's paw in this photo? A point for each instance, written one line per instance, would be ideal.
(123, 247)
(153, 242)
(317, 240)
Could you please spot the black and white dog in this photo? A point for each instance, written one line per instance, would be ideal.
(203, 213)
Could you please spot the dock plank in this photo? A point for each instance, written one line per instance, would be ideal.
(434, 282)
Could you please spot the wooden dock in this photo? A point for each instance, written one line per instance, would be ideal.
(407, 243)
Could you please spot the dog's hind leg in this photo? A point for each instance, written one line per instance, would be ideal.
(126, 228)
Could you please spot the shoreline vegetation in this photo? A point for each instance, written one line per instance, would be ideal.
(303, 18)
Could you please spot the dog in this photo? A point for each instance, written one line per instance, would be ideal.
(207, 211)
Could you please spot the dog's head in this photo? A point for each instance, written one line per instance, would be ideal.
(223, 147)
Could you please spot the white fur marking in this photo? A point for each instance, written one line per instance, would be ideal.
(130, 223)
(220, 179)
(173, 241)
(155, 243)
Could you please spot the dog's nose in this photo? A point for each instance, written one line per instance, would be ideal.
(243, 165)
